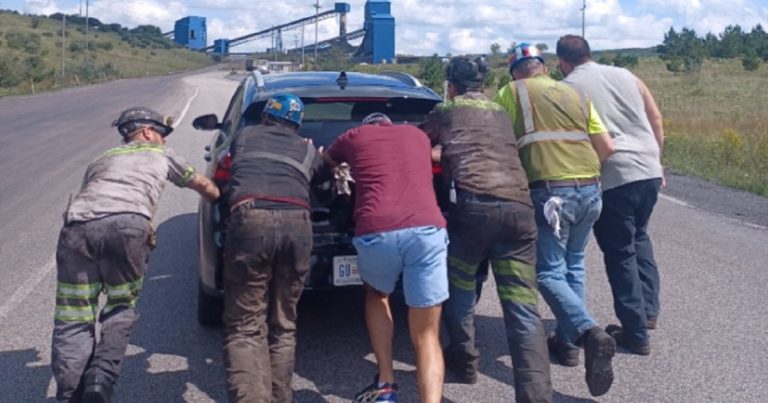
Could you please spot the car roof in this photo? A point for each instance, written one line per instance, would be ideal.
(317, 84)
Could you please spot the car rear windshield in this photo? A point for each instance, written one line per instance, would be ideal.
(327, 118)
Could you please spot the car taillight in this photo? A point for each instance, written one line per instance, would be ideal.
(437, 169)
(221, 174)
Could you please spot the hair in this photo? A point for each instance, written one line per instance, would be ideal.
(574, 49)
(467, 75)
(376, 118)
(271, 120)
(527, 67)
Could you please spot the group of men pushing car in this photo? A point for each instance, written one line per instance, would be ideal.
(532, 172)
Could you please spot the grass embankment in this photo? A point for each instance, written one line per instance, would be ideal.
(31, 55)
(714, 120)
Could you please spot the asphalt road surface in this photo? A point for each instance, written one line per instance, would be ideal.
(711, 344)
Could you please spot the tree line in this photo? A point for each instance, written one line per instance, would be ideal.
(686, 51)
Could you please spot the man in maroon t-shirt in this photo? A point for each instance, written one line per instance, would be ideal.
(399, 229)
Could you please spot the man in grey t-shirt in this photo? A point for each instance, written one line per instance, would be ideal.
(104, 246)
(631, 179)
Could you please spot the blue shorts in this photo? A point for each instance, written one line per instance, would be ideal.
(419, 253)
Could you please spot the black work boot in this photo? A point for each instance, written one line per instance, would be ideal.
(464, 370)
(98, 389)
(565, 355)
(634, 347)
(599, 349)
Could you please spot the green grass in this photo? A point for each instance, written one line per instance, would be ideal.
(109, 57)
(714, 121)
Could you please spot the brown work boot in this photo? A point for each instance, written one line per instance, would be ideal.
(599, 349)
(633, 347)
(650, 323)
(98, 389)
(565, 355)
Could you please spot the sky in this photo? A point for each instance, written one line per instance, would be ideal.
(425, 27)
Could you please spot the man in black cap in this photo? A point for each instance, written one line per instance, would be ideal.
(104, 247)
(492, 218)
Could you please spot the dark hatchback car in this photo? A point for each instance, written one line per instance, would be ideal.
(334, 102)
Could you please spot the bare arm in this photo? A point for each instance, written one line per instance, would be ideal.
(207, 189)
(653, 114)
(603, 145)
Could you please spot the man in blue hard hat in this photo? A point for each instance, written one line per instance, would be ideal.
(267, 250)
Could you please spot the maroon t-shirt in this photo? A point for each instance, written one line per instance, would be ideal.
(392, 168)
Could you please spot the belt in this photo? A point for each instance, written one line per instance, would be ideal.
(546, 184)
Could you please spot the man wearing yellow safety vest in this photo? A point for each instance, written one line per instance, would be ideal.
(562, 142)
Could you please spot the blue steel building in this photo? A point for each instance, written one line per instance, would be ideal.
(379, 41)
(191, 32)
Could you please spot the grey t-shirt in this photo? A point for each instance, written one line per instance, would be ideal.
(128, 179)
(615, 92)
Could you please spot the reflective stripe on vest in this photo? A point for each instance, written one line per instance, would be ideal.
(531, 135)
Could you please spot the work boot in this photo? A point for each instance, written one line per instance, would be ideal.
(650, 323)
(98, 389)
(565, 355)
(634, 347)
(465, 371)
(599, 349)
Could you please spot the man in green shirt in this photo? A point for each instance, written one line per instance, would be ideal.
(562, 143)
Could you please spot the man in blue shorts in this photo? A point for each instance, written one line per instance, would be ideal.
(399, 229)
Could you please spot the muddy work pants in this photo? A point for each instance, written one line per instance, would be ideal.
(109, 254)
(483, 227)
(266, 260)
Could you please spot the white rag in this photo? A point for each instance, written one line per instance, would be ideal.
(343, 176)
(552, 213)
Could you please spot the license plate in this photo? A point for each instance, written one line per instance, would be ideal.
(345, 271)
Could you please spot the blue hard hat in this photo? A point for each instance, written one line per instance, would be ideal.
(285, 106)
(523, 51)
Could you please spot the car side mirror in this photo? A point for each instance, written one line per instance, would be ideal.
(206, 122)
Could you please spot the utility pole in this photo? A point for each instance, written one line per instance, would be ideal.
(86, 31)
(302, 45)
(63, 38)
(583, 17)
(317, 11)
(81, 8)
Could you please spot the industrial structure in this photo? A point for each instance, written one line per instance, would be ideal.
(378, 33)
(191, 32)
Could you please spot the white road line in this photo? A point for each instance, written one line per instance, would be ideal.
(38, 275)
(26, 288)
(186, 107)
(732, 219)
(674, 200)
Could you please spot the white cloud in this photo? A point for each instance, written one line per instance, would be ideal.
(442, 26)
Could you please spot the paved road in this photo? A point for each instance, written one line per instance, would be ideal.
(710, 346)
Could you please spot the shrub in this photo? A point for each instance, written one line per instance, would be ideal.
(75, 47)
(105, 45)
(751, 62)
(35, 21)
(30, 43)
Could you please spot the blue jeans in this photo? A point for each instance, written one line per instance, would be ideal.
(560, 260)
(622, 233)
